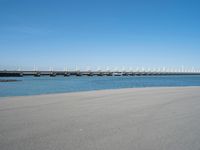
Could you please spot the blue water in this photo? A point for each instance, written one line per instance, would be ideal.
(60, 84)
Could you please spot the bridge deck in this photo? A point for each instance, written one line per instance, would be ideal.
(88, 73)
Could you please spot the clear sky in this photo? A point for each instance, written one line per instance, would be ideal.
(99, 33)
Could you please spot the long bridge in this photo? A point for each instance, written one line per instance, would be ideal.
(6, 73)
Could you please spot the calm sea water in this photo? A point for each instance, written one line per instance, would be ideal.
(60, 84)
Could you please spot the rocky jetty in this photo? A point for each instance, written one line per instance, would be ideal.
(9, 80)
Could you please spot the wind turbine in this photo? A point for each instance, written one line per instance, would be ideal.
(34, 68)
(19, 69)
(107, 69)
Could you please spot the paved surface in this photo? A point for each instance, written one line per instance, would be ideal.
(128, 119)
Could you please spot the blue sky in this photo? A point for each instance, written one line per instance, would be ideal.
(99, 33)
